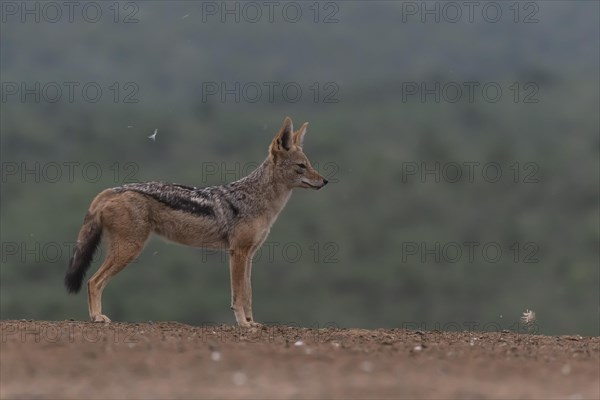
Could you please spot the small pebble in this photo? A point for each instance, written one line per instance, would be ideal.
(239, 378)
(366, 366)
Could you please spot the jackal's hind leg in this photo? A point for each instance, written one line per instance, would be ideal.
(119, 255)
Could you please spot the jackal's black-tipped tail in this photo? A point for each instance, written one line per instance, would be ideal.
(87, 243)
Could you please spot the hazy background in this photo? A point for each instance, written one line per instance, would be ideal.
(388, 243)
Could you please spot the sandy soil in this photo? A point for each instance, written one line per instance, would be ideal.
(42, 359)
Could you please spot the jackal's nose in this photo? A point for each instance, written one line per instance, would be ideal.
(325, 181)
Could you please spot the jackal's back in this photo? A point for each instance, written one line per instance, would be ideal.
(201, 217)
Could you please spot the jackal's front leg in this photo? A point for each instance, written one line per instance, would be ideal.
(238, 265)
(248, 292)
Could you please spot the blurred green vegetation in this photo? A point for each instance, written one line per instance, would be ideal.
(354, 269)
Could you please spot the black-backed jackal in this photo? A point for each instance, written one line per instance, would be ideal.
(235, 217)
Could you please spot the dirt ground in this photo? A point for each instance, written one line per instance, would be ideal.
(41, 359)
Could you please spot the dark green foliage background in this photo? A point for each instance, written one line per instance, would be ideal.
(359, 223)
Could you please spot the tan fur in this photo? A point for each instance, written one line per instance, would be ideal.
(127, 218)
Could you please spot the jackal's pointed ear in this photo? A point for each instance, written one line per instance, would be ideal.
(284, 140)
(299, 135)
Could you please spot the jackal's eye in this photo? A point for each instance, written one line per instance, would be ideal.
(301, 165)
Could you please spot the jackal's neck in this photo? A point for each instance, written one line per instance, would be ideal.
(264, 193)
(262, 181)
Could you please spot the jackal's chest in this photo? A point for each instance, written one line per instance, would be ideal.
(250, 233)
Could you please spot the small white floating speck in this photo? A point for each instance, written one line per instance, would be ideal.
(528, 317)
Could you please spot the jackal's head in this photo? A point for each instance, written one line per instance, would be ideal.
(290, 165)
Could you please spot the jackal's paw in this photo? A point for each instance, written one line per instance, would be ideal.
(252, 324)
(101, 318)
(249, 324)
